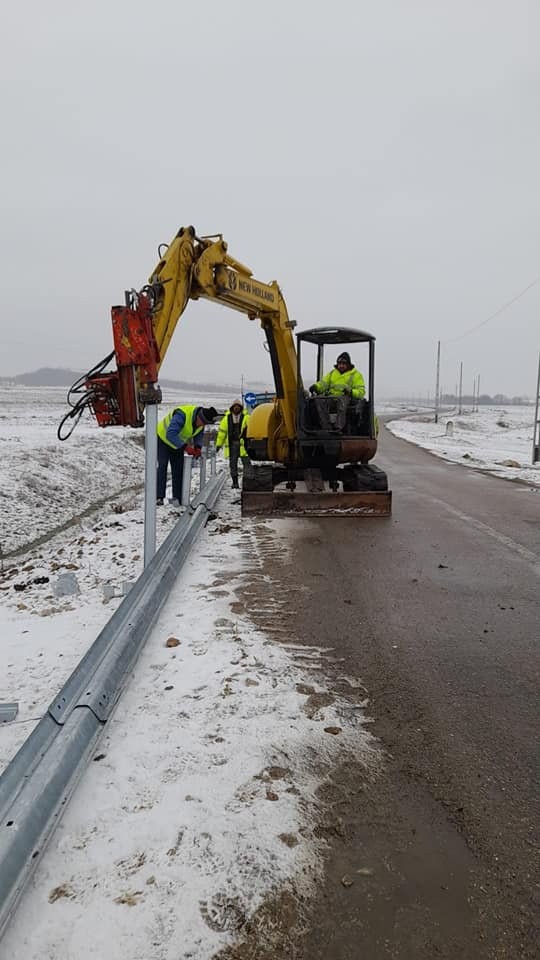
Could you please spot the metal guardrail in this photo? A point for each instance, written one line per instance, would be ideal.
(37, 784)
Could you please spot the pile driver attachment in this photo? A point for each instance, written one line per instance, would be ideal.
(118, 397)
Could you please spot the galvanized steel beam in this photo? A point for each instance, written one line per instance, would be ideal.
(36, 785)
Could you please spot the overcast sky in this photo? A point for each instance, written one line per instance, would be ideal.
(379, 160)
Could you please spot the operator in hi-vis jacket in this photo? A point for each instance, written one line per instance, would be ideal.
(181, 430)
(343, 380)
(231, 434)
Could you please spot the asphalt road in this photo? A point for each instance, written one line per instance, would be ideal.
(436, 610)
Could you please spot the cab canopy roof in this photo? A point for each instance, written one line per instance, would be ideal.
(322, 335)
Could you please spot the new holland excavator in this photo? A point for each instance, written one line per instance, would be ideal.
(308, 455)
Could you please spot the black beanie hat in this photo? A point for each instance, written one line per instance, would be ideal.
(344, 356)
(208, 414)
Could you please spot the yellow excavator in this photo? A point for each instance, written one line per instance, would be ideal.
(309, 455)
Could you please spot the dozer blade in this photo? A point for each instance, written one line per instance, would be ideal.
(364, 503)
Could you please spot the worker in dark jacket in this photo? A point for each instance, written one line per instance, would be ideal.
(181, 431)
(231, 435)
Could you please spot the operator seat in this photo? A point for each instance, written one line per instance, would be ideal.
(328, 414)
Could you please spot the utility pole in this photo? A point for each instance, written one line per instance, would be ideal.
(536, 431)
(477, 393)
(473, 392)
(437, 398)
(460, 385)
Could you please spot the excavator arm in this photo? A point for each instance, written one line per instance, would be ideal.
(190, 268)
(193, 268)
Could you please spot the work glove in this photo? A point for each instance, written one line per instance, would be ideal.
(193, 451)
(347, 392)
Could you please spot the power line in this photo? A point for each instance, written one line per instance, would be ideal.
(496, 314)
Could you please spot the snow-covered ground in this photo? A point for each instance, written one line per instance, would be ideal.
(201, 800)
(496, 439)
(53, 482)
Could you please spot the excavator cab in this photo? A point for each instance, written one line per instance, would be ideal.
(340, 428)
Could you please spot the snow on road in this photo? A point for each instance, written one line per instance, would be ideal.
(496, 439)
(201, 799)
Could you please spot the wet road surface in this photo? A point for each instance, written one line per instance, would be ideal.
(436, 610)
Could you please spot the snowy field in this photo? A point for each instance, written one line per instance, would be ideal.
(46, 483)
(496, 439)
(201, 802)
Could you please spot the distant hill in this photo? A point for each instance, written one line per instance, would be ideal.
(55, 377)
(44, 377)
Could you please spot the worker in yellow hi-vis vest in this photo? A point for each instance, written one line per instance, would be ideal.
(231, 435)
(181, 430)
(343, 380)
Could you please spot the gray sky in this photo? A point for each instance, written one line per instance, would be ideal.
(379, 160)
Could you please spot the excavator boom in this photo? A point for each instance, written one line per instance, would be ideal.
(190, 268)
(201, 268)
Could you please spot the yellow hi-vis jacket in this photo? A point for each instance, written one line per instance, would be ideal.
(334, 383)
(186, 433)
(222, 439)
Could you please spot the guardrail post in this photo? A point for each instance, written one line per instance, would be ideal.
(150, 481)
(212, 449)
(202, 468)
(186, 480)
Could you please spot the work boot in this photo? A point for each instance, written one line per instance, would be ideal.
(235, 485)
(159, 502)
